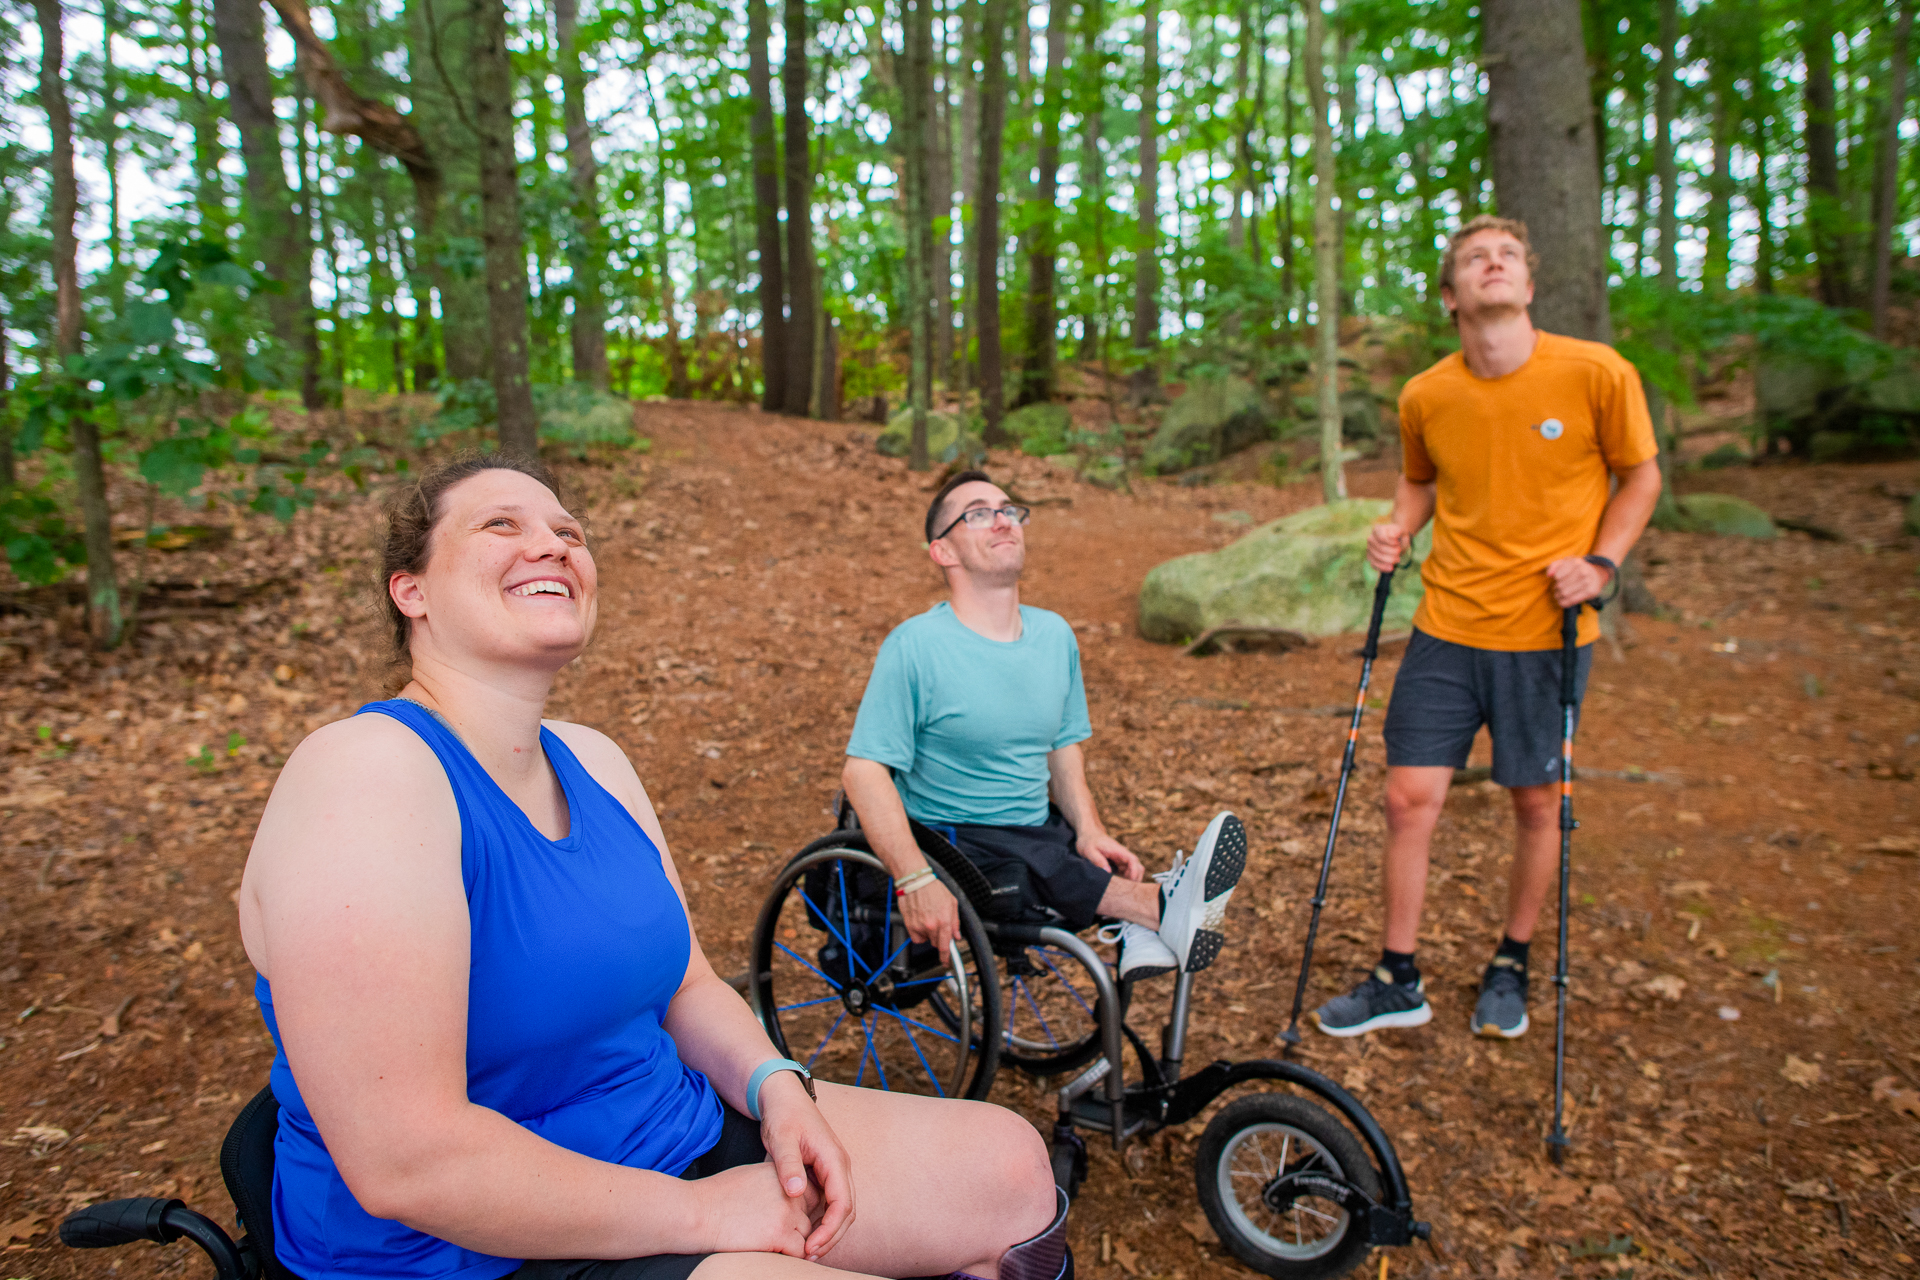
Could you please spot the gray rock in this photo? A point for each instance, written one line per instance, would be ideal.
(947, 438)
(1911, 523)
(1897, 391)
(1212, 418)
(1726, 515)
(1831, 446)
(1306, 573)
(1041, 430)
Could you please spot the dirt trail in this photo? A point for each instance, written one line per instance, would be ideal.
(1743, 1036)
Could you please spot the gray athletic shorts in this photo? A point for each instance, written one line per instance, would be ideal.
(1446, 691)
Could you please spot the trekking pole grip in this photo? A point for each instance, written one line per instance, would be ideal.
(1381, 590)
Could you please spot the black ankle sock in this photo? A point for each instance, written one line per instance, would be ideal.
(1514, 951)
(1400, 965)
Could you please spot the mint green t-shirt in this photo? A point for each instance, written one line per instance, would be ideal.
(966, 723)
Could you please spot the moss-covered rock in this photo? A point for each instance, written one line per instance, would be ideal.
(1911, 522)
(1212, 418)
(577, 414)
(947, 438)
(1307, 573)
(1726, 515)
(1041, 430)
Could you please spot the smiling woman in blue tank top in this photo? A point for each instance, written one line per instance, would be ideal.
(501, 1051)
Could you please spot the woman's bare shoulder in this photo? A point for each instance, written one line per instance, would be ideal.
(363, 750)
(602, 756)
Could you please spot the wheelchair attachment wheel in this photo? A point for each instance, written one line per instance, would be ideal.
(840, 987)
(1248, 1159)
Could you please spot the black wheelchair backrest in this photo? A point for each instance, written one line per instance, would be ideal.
(246, 1163)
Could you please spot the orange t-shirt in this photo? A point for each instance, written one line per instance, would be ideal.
(1521, 469)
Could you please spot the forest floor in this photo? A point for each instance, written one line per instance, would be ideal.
(1744, 1048)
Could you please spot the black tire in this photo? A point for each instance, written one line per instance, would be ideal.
(1244, 1148)
(838, 986)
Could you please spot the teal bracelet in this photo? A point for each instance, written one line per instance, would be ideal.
(768, 1068)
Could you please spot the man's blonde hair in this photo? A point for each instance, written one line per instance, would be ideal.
(1485, 222)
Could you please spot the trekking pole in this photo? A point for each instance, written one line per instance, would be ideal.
(1291, 1036)
(1569, 666)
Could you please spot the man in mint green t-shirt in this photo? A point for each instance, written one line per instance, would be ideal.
(972, 724)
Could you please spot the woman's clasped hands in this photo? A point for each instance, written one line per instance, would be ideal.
(800, 1200)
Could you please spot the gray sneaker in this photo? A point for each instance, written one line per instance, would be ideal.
(1502, 1010)
(1376, 1003)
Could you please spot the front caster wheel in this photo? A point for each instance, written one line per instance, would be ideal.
(1247, 1167)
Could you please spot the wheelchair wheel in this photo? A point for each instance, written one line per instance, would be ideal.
(840, 987)
(1245, 1153)
(1050, 1011)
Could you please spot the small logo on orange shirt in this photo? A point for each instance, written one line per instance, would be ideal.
(1551, 429)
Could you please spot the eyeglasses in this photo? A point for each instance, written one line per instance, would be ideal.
(982, 517)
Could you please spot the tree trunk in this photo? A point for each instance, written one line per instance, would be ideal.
(1326, 261)
(1886, 182)
(1762, 196)
(277, 239)
(939, 148)
(1037, 367)
(801, 299)
(970, 21)
(1093, 184)
(493, 99)
(915, 71)
(1283, 207)
(89, 470)
(586, 242)
(1665, 169)
(1242, 60)
(7, 480)
(438, 85)
(1726, 122)
(1540, 118)
(1826, 206)
(1146, 273)
(766, 213)
(986, 213)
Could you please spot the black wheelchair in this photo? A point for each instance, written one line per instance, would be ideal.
(1288, 1187)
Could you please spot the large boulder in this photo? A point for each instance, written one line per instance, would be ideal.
(1212, 418)
(1306, 573)
(1041, 430)
(1726, 515)
(947, 438)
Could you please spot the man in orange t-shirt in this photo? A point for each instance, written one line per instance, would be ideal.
(1508, 447)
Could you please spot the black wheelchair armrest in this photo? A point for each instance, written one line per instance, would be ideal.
(117, 1222)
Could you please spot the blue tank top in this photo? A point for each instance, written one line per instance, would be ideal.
(577, 946)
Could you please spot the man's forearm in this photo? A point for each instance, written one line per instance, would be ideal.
(1628, 511)
(1413, 505)
(883, 818)
(1067, 770)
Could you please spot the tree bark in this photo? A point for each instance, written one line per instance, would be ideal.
(766, 213)
(1037, 367)
(986, 267)
(1540, 118)
(1326, 260)
(1886, 183)
(89, 469)
(801, 298)
(493, 98)
(1094, 181)
(970, 21)
(1146, 273)
(586, 242)
(278, 239)
(1283, 207)
(7, 479)
(915, 72)
(1826, 206)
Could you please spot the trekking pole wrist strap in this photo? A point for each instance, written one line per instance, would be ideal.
(1612, 588)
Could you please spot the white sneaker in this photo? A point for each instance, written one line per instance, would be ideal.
(1193, 923)
(1142, 954)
